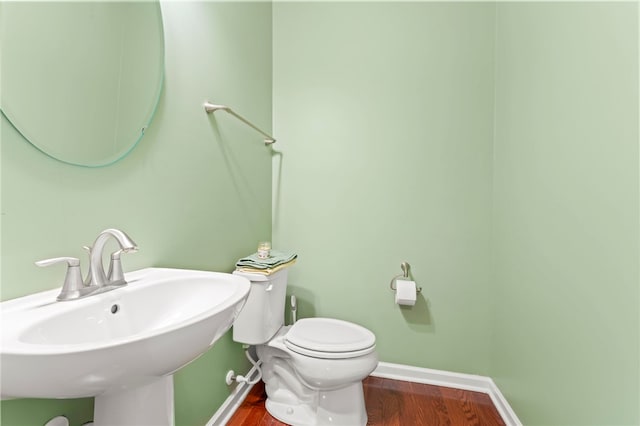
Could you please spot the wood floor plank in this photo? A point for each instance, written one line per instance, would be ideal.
(394, 403)
(383, 402)
(425, 405)
(471, 408)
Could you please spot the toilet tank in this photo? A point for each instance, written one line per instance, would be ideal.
(263, 313)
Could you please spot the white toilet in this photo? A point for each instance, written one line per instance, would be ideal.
(312, 370)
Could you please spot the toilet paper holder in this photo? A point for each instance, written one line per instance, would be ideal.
(405, 274)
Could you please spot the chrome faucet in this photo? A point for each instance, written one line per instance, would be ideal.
(97, 281)
(116, 277)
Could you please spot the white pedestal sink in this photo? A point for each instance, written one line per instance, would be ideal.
(121, 347)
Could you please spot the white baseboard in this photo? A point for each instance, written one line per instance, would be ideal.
(451, 380)
(397, 372)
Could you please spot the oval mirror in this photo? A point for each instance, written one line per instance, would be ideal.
(81, 80)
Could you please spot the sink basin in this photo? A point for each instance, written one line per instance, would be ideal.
(116, 346)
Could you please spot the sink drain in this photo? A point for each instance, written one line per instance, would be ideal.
(114, 309)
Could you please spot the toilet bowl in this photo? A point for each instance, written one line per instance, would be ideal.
(313, 369)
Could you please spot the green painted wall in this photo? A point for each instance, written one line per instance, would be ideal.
(492, 146)
(495, 148)
(384, 115)
(566, 348)
(196, 192)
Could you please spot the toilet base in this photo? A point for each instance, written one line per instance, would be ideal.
(341, 407)
(298, 415)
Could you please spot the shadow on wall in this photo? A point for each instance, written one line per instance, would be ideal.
(245, 188)
(306, 301)
(418, 316)
(276, 188)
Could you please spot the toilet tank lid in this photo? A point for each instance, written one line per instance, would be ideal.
(330, 335)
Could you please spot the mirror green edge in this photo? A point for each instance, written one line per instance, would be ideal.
(81, 81)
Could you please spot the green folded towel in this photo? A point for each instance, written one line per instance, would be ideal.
(276, 258)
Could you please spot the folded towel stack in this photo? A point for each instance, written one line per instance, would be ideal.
(276, 261)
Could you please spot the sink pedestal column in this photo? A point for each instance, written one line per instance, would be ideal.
(146, 405)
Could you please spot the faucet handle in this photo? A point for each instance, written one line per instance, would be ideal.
(115, 274)
(73, 285)
(71, 261)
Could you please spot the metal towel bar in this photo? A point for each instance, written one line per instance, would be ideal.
(209, 108)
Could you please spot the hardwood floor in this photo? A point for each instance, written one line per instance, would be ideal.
(395, 403)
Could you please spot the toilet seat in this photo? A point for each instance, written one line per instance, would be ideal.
(329, 338)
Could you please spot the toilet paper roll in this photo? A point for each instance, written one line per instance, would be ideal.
(405, 292)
